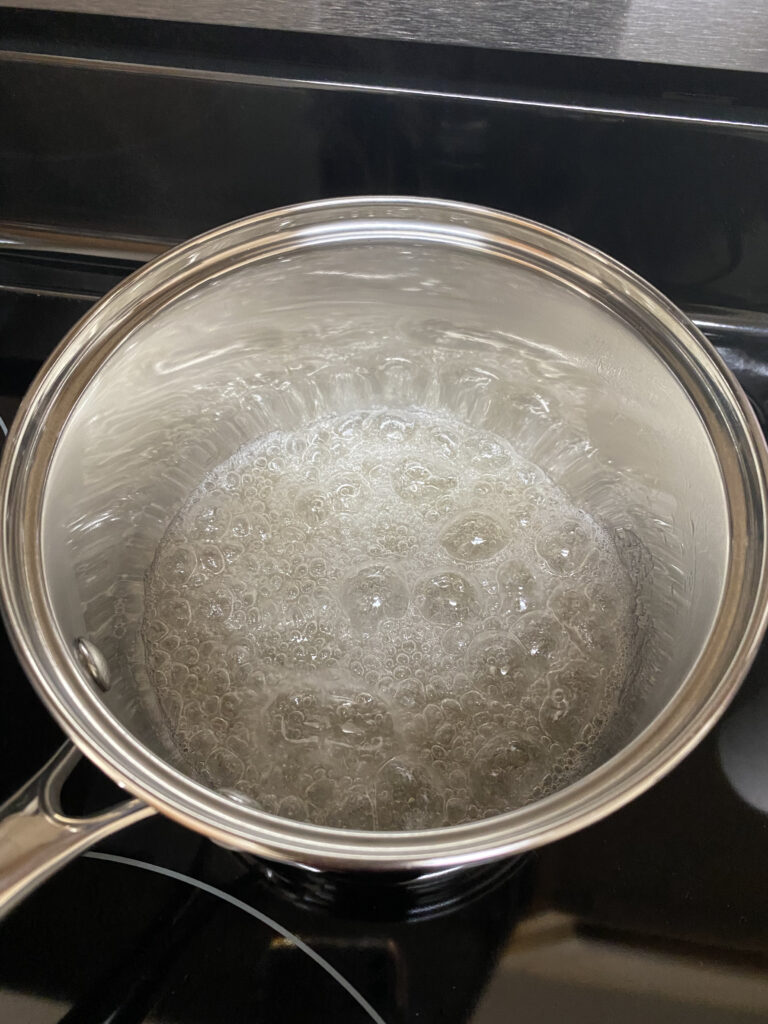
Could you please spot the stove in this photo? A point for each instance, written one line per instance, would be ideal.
(660, 912)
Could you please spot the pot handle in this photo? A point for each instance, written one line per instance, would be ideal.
(37, 838)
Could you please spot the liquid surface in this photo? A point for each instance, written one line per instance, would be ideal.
(386, 620)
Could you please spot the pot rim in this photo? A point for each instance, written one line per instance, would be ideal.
(699, 700)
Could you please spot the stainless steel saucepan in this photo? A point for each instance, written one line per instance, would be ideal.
(334, 306)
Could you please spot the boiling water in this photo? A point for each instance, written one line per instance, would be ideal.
(386, 620)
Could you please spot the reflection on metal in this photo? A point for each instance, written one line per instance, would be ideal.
(671, 113)
(93, 662)
(48, 293)
(723, 323)
(34, 238)
(37, 838)
(717, 323)
(702, 33)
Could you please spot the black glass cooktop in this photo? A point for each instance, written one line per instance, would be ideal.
(658, 913)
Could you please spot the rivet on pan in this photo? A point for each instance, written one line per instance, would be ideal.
(94, 662)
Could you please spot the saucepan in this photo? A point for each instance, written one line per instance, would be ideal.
(347, 307)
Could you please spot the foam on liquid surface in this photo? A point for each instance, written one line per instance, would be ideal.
(386, 620)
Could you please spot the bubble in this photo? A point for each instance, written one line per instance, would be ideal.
(457, 639)
(321, 793)
(224, 766)
(445, 442)
(261, 529)
(211, 521)
(219, 604)
(415, 481)
(406, 797)
(313, 508)
(409, 693)
(348, 493)
(473, 537)
(292, 807)
(499, 664)
(361, 721)
(374, 594)
(518, 588)
(571, 606)
(174, 611)
(299, 717)
(349, 427)
(451, 709)
(556, 716)
(564, 547)
(391, 427)
(456, 809)
(393, 538)
(447, 598)
(203, 740)
(211, 559)
(231, 704)
(176, 563)
(240, 527)
(238, 654)
(218, 681)
(490, 454)
(356, 811)
(505, 770)
(574, 698)
(211, 705)
(540, 634)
